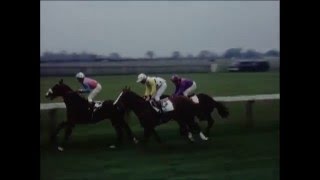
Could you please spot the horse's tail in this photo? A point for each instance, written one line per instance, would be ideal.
(222, 109)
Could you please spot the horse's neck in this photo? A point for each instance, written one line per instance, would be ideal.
(74, 98)
(137, 104)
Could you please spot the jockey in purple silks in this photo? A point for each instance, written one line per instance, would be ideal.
(184, 87)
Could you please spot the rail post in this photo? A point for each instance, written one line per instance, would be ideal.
(52, 120)
(249, 113)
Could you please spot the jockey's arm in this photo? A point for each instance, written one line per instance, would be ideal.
(86, 89)
(153, 87)
(175, 92)
(179, 92)
(148, 90)
(180, 89)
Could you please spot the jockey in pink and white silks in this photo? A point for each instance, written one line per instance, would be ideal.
(90, 86)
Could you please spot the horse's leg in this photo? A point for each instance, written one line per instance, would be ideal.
(147, 133)
(56, 132)
(129, 132)
(119, 135)
(116, 125)
(156, 136)
(184, 131)
(67, 134)
(195, 128)
(210, 124)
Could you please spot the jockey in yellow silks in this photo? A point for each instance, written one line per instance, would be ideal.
(155, 87)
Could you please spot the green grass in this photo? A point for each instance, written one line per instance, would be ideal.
(233, 151)
(215, 84)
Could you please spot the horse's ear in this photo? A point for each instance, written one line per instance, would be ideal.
(61, 81)
(129, 88)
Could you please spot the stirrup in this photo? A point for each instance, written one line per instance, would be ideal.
(159, 106)
(190, 95)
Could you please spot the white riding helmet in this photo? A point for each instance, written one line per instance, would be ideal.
(141, 77)
(80, 75)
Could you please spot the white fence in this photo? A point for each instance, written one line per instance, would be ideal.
(248, 99)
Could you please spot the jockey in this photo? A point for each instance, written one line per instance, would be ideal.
(155, 87)
(183, 86)
(90, 86)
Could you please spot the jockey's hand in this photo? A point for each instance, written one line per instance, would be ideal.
(153, 99)
(146, 98)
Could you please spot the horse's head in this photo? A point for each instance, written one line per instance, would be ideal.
(125, 95)
(57, 90)
(122, 94)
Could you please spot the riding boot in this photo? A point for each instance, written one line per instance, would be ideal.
(158, 103)
(160, 114)
(90, 109)
(91, 106)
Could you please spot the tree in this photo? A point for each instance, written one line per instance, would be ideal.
(150, 54)
(190, 56)
(176, 55)
(204, 54)
(114, 55)
(273, 53)
(232, 53)
(251, 54)
(47, 56)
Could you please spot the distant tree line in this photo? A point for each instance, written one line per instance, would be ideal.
(248, 54)
(238, 53)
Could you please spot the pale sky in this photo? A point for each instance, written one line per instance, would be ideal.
(133, 27)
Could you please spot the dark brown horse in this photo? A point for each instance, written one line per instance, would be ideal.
(207, 105)
(184, 113)
(79, 111)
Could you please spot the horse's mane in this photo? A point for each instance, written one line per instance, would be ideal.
(75, 96)
(135, 95)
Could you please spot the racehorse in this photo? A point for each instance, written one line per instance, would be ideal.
(206, 106)
(183, 111)
(79, 111)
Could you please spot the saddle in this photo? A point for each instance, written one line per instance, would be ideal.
(194, 98)
(95, 105)
(165, 105)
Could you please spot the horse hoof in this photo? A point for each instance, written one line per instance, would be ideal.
(203, 137)
(112, 146)
(135, 140)
(60, 148)
(190, 137)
